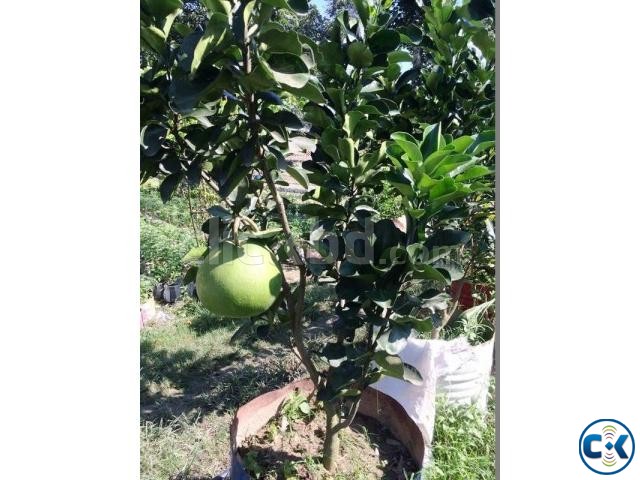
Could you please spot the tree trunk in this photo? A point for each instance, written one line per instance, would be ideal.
(331, 448)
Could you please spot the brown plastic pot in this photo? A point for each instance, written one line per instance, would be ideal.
(254, 415)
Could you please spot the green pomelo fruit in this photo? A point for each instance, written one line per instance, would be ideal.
(239, 281)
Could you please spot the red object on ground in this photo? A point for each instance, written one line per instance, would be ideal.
(467, 290)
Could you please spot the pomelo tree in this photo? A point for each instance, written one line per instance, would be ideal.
(214, 110)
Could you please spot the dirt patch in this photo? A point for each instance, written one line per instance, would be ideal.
(286, 449)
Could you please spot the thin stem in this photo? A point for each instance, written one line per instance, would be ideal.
(295, 305)
(353, 411)
(191, 215)
(250, 223)
(234, 231)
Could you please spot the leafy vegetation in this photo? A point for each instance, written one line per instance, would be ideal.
(464, 444)
(213, 113)
(162, 247)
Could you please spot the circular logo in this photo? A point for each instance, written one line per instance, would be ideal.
(607, 446)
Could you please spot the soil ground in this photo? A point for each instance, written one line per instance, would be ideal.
(284, 450)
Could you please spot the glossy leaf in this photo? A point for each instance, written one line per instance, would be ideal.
(384, 41)
(431, 139)
(299, 175)
(169, 185)
(395, 339)
(409, 145)
(151, 139)
(299, 6)
(214, 36)
(359, 55)
(289, 70)
(391, 365)
(282, 42)
(309, 91)
(195, 254)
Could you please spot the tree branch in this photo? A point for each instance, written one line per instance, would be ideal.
(295, 305)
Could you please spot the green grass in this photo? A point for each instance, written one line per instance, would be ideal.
(177, 211)
(162, 247)
(464, 445)
(166, 234)
(192, 379)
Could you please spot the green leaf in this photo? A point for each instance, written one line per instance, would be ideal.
(474, 172)
(234, 179)
(433, 161)
(400, 56)
(310, 91)
(218, 6)
(151, 139)
(299, 175)
(403, 182)
(153, 38)
(329, 141)
(473, 314)
(195, 254)
(427, 272)
(351, 119)
(269, 98)
(447, 238)
(331, 53)
(422, 325)
(288, 119)
(214, 35)
(461, 144)
(390, 364)
(282, 42)
(434, 78)
(384, 41)
(169, 185)
(317, 116)
(454, 164)
(260, 78)
(411, 34)
(336, 95)
(407, 77)
(359, 55)
(485, 43)
(382, 298)
(278, 4)
(262, 234)
(453, 268)
(364, 8)
(305, 408)
(431, 138)
(349, 288)
(395, 339)
(346, 148)
(160, 9)
(299, 6)
(289, 70)
(409, 145)
(482, 141)
(369, 110)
